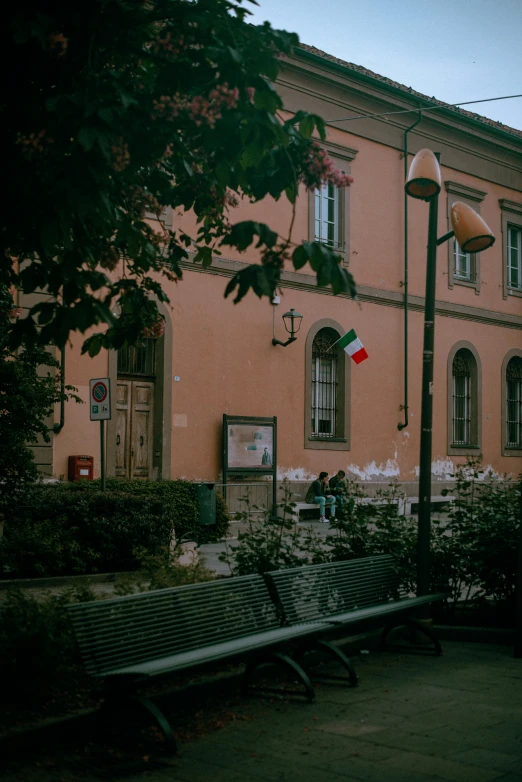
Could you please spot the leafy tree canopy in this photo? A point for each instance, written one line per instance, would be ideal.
(119, 108)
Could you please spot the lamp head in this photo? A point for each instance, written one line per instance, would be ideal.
(292, 321)
(424, 178)
(471, 232)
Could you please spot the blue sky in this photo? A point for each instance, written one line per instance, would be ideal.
(455, 50)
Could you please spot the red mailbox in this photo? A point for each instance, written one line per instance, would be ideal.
(81, 468)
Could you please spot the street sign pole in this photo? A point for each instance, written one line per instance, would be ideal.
(102, 453)
(100, 404)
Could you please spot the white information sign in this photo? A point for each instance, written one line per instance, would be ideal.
(100, 398)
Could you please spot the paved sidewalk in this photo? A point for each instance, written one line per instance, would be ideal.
(412, 719)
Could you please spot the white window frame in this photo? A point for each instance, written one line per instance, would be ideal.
(341, 157)
(511, 214)
(471, 279)
(328, 216)
(517, 249)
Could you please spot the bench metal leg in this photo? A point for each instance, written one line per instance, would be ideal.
(277, 658)
(414, 624)
(332, 649)
(118, 702)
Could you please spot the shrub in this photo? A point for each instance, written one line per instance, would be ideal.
(36, 637)
(271, 544)
(75, 528)
(484, 522)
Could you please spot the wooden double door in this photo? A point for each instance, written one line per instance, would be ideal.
(134, 428)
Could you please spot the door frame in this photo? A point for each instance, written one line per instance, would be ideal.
(162, 414)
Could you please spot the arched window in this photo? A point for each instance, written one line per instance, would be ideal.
(464, 400)
(327, 389)
(324, 384)
(461, 399)
(514, 403)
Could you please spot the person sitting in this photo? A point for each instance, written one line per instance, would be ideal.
(318, 492)
(338, 487)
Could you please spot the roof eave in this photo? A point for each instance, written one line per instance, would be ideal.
(381, 84)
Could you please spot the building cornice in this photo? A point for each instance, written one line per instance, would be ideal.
(466, 145)
(385, 298)
(382, 84)
(463, 191)
(510, 206)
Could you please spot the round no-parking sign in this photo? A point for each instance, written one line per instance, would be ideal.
(100, 399)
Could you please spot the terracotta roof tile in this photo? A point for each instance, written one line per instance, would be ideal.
(366, 72)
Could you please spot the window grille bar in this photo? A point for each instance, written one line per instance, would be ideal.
(461, 401)
(514, 403)
(138, 359)
(324, 412)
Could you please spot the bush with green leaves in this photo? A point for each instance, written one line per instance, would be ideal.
(485, 527)
(36, 637)
(273, 543)
(70, 529)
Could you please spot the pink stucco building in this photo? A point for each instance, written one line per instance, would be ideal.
(169, 397)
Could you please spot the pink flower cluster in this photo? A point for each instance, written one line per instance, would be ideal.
(14, 313)
(120, 155)
(143, 201)
(168, 44)
(231, 199)
(156, 330)
(34, 143)
(58, 44)
(201, 110)
(318, 169)
(110, 258)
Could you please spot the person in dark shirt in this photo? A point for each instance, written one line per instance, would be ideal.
(318, 492)
(338, 487)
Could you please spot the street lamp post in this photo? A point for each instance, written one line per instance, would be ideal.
(472, 235)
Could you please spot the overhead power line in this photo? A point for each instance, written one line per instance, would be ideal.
(420, 109)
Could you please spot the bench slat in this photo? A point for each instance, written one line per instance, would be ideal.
(138, 629)
(221, 651)
(338, 588)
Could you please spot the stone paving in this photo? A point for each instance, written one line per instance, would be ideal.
(414, 718)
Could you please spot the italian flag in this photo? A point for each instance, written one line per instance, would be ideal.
(353, 346)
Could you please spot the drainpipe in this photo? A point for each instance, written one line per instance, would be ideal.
(57, 428)
(401, 425)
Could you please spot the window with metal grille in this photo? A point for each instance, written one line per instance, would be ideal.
(515, 258)
(325, 361)
(461, 399)
(327, 216)
(138, 359)
(514, 403)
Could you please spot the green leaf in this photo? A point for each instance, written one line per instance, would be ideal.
(252, 155)
(291, 192)
(300, 256)
(87, 137)
(306, 126)
(204, 255)
(267, 99)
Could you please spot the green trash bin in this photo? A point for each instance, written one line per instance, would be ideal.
(206, 503)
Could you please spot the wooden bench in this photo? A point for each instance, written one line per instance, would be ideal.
(127, 639)
(353, 595)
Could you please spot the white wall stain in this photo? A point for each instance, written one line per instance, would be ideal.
(295, 474)
(372, 471)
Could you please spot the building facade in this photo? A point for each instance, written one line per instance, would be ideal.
(216, 358)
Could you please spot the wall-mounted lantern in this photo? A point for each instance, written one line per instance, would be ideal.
(292, 321)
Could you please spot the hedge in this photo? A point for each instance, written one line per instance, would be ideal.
(75, 528)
